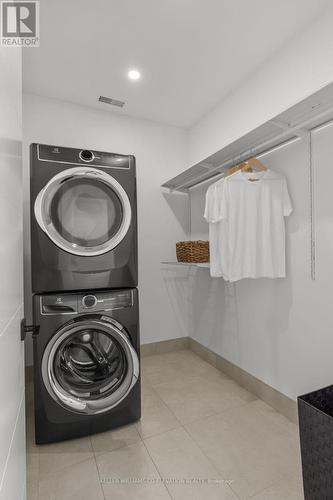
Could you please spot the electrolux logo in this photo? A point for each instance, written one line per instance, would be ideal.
(20, 24)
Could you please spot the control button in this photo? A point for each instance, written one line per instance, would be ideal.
(89, 301)
(86, 155)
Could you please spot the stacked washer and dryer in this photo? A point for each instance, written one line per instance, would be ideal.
(84, 274)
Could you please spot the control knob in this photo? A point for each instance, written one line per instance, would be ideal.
(89, 301)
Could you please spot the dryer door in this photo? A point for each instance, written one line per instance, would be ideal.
(89, 366)
(84, 211)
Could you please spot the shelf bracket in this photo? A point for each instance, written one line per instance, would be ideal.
(306, 135)
(312, 205)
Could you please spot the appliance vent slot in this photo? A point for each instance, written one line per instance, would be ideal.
(113, 102)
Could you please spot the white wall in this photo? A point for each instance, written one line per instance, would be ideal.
(12, 427)
(160, 152)
(281, 330)
(297, 71)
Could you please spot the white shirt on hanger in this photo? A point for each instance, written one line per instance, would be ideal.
(254, 213)
(218, 229)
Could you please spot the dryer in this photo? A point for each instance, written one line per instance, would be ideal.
(86, 363)
(83, 219)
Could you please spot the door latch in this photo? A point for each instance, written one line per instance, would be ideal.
(26, 329)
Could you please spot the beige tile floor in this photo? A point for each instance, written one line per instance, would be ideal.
(201, 436)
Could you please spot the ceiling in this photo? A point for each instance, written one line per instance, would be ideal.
(191, 53)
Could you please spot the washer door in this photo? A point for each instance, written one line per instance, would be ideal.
(89, 366)
(84, 211)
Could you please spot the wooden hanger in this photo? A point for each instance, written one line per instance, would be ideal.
(254, 163)
(247, 166)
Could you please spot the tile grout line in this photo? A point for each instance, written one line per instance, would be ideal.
(200, 418)
(230, 486)
(80, 461)
(170, 409)
(209, 460)
(96, 465)
(275, 483)
(234, 492)
(60, 470)
(159, 433)
(27, 445)
(157, 469)
(143, 439)
(183, 426)
(173, 414)
(27, 469)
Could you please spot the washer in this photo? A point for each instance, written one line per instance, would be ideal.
(83, 219)
(86, 363)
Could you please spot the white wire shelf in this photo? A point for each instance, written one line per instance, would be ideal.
(204, 265)
(290, 125)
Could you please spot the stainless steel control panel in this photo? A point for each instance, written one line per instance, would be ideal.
(85, 302)
(74, 156)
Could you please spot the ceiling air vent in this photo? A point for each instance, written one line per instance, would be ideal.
(113, 102)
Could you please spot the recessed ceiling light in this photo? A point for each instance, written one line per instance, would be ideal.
(134, 74)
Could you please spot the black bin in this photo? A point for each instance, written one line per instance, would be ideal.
(315, 414)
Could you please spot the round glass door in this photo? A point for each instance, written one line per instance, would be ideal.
(90, 366)
(84, 211)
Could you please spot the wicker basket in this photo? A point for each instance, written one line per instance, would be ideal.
(192, 251)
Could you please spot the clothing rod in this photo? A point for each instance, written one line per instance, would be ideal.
(238, 159)
(233, 162)
(248, 154)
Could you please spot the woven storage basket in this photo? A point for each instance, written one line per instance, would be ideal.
(192, 251)
(315, 412)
